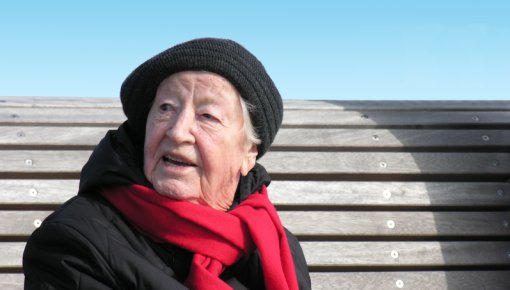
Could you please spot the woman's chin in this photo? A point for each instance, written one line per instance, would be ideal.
(175, 192)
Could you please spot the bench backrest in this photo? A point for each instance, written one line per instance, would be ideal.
(382, 194)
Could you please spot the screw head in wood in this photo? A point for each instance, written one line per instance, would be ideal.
(37, 223)
(33, 192)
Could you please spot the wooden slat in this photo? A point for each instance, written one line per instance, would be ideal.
(446, 280)
(114, 116)
(339, 224)
(12, 254)
(59, 102)
(392, 118)
(386, 224)
(71, 161)
(286, 138)
(11, 281)
(386, 163)
(36, 191)
(288, 104)
(345, 193)
(473, 280)
(416, 254)
(303, 193)
(366, 254)
(51, 136)
(406, 105)
(376, 139)
(426, 280)
(91, 116)
(20, 223)
(33, 161)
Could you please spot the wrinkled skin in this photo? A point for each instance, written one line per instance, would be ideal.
(196, 147)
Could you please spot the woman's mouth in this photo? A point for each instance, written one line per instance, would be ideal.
(175, 161)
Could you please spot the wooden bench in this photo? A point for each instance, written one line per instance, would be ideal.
(382, 194)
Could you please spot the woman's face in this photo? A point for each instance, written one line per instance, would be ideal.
(195, 143)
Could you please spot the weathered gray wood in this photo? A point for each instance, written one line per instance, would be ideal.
(114, 116)
(396, 105)
(432, 226)
(371, 193)
(467, 280)
(386, 163)
(430, 254)
(426, 280)
(11, 281)
(59, 102)
(343, 224)
(51, 136)
(286, 138)
(71, 161)
(385, 224)
(86, 116)
(305, 193)
(376, 139)
(12, 254)
(392, 118)
(36, 191)
(366, 254)
(288, 104)
(28, 161)
(20, 223)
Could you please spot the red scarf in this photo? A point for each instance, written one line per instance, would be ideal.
(218, 239)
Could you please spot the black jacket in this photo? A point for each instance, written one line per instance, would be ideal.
(87, 244)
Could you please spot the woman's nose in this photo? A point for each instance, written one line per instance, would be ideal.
(182, 129)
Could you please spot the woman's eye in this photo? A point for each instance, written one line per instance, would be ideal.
(165, 107)
(208, 117)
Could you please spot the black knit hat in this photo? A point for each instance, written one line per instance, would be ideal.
(221, 56)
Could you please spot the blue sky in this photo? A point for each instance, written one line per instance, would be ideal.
(340, 50)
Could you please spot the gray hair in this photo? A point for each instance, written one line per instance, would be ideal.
(251, 134)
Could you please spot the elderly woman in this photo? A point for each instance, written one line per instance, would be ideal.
(174, 199)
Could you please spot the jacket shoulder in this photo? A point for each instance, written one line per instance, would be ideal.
(86, 244)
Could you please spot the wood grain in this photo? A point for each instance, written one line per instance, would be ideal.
(108, 116)
(71, 161)
(424, 280)
(37, 191)
(305, 193)
(342, 224)
(51, 135)
(373, 193)
(435, 105)
(376, 139)
(366, 254)
(415, 254)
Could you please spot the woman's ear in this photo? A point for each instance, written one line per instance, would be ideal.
(249, 160)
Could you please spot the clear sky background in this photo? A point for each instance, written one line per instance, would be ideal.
(343, 50)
